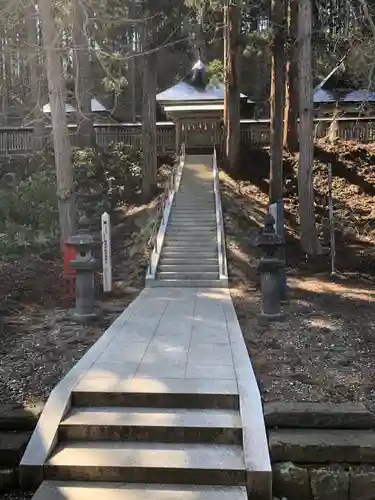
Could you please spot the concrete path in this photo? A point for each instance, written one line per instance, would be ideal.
(174, 333)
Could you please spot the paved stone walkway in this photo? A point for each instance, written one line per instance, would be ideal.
(178, 333)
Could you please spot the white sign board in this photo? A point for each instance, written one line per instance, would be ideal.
(272, 209)
(106, 252)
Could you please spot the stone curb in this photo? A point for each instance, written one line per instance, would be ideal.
(318, 415)
(333, 482)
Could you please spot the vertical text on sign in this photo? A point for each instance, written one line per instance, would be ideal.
(106, 253)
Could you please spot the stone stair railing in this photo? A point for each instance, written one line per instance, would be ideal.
(223, 268)
(158, 233)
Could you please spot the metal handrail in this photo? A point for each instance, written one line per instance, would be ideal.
(219, 222)
(171, 185)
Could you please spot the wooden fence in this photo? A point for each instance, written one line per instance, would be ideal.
(255, 133)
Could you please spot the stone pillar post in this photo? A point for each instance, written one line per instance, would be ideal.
(178, 137)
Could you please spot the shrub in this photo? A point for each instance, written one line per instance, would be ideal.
(28, 214)
(118, 166)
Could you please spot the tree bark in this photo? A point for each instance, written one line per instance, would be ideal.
(291, 86)
(81, 66)
(308, 233)
(36, 74)
(225, 59)
(6, 76)
(62, 147)
(232, 77)
(199, 33)
(149, 169)
(277, 98)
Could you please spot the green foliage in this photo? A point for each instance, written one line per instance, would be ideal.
(28, 208)
(257, 44)
(28, 214)
(215, 72)
(119, 166)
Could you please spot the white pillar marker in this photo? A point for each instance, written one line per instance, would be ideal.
(106, 252)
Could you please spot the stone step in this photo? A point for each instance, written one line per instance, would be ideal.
(195, 185)
(196, 195)
(170, 463)
(189, 261)
(203, 214)
(195, 192)
(69, 490)
(199, 231)
(188, 275)
(192, 240)
(185, 239)
(196, 252)
(181, 256)
(185, 250)
(284, 414)
(191, 244)
(188, 221)
(185, 283)
(199, 216)
(152, 425)
(188, 268)
(204, 198)
(194, 204)
(192, 209)
(166, 393)
(192, 228)
(191, 201)
(12, 446)
(192, 224)
(325, 445)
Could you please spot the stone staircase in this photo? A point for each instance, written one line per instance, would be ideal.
(189, 255)
(182, 443)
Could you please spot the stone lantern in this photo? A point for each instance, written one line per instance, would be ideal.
(85, 266)
(269, 267)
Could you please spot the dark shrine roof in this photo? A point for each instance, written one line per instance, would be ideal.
(183, 91)
(322, 96)
(194, 87)
(337, 87)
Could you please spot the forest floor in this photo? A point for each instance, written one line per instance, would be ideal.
(324, 349)
(39, 343)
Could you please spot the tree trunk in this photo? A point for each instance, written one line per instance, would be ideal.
(62, 148)
(36, 74)
(277, 100)
(291, 86)
(232, 103)
(81, 66)
(6, 77)
(199, 33)
(149, 169)
(309, 237)
(225, 58)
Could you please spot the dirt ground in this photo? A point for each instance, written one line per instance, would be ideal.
(324, 349)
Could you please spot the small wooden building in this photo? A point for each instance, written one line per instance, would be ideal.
(196, 107)
(100, 113)
(337, 95)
